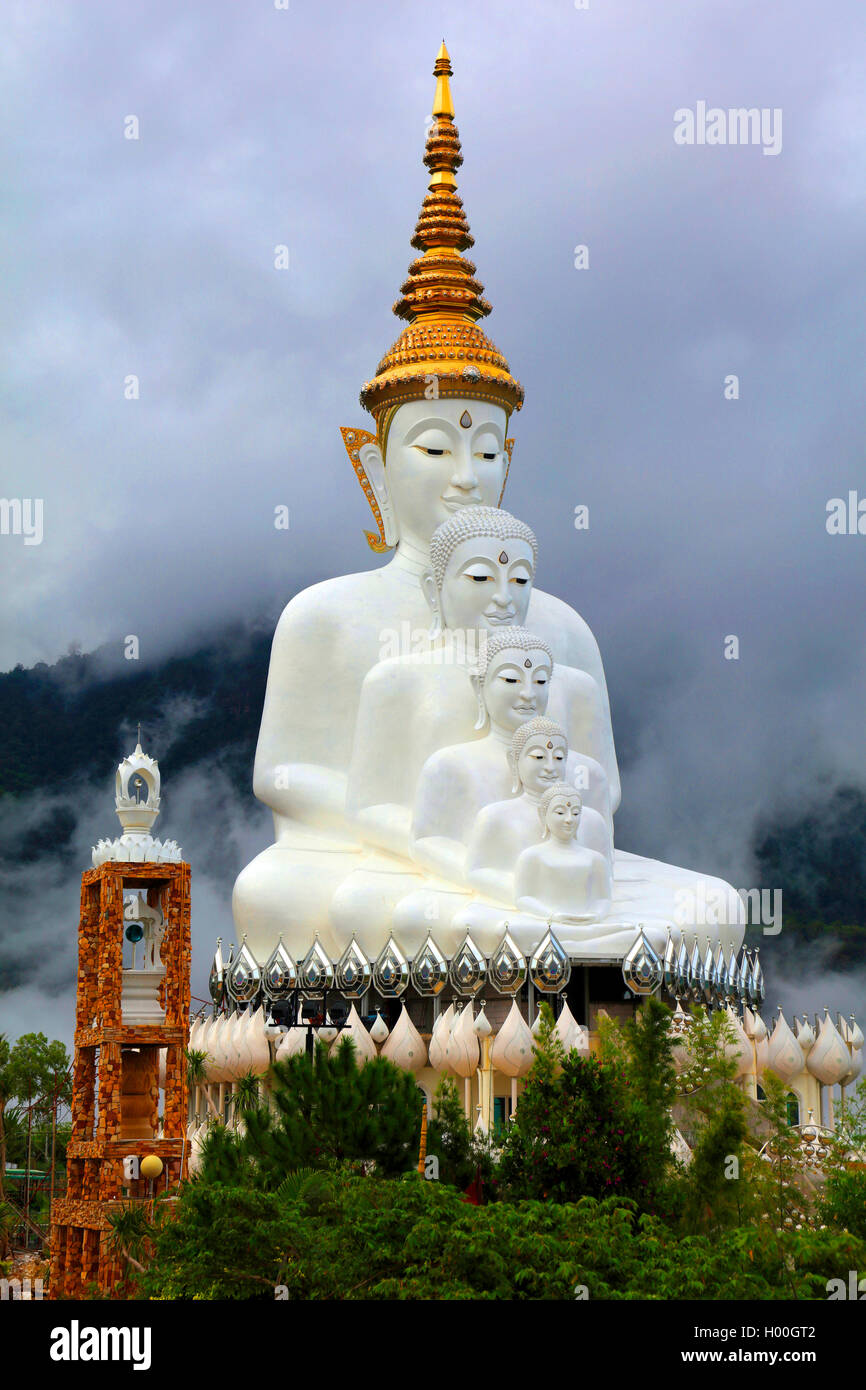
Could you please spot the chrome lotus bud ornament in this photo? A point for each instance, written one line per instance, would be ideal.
(641, 969)
(391, 971)
(756, 981)
(508, 966)
(709, 972)
(719, 973)
(244, 976)
(745, 977)
(280, 975)
(684, 974)
(731, 978)
(316, 973)
(429, 969)
(354, 973)
(696, 971)
(217, 980)
(468, 968)
(549, 965)
(670, 967)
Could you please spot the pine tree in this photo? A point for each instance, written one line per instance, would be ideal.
(328, 1111)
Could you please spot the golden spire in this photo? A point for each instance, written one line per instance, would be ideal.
(441, 298)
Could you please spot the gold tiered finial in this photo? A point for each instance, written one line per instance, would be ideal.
(442, 352)
(442, 103)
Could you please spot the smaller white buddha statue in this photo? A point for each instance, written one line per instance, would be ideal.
(538, 758)
(512, 684)
(560, 877)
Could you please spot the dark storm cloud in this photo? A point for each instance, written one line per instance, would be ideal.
(261, 127)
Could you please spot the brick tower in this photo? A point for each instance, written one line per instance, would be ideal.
(135, 902)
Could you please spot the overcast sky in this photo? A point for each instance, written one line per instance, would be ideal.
(260, 127)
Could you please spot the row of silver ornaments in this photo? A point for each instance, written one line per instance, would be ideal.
(712, 979)
(548, 967)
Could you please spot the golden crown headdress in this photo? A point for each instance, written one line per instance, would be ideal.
(442, 352)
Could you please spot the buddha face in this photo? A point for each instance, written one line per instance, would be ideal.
(542, 761)
(435, 464)
(487, 584)
(562, 818)
(516, 687)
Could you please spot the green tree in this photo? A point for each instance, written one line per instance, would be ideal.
(328, 1110)
(575, 1132)
(7, 1094)
(450, 1139)
(37, 1074)
(843, 1202)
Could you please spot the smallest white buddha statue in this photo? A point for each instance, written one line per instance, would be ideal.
(560, 878)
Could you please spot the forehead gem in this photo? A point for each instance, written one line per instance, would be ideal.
(550, 745)
(503, 558)
(527, 663)
(466, 420)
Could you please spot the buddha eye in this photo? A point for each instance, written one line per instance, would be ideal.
(431, 453)
(489, 457)
(518, 580)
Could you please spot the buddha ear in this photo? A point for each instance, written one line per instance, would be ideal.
(509, 449)
(478, 687)
(374, 467)
(542, 816)
(431, 594)
(515, 775)
(366, 459)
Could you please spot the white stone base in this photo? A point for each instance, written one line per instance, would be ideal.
(139, 1000)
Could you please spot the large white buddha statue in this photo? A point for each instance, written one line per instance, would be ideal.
(442, 399)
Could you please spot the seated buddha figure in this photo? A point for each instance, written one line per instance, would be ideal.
(441, 401)
(560, 877)
(482, 564)
(538, 758)
(512, 684)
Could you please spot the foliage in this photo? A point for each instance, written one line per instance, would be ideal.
(576, 1131)
(36, 1073)
(843, 1202)
(328, 1110)
(340, 1236)
(462, 1155)
(851, 1120)
(9, 1220)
